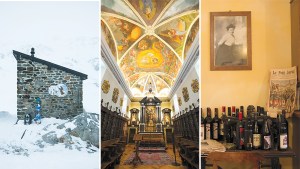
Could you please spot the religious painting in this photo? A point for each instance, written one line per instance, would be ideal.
(191, 37)
(151, 116)
(149, 10)
(105, 86)
(195, 85)
(115, 95)
(109, 39)
(150, 55)
(230, 41)
(179, 101)
(175, 31)
(125, 33)
(185, 94)
(167, 118)
(134, 118)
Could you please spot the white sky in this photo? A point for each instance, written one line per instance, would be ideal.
(65, 33)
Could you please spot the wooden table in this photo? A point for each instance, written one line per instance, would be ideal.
(240, 156)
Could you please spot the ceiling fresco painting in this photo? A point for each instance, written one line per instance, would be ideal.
(191, 37)
(149, 10)
(179, 7)
(125, 33)
(167, 79)
(149, 40)
(150, 55)
(140, 84)
(114, 6)
(157, 84)
(133, 78)
(109, 39)
(175, 31)
(160, 84)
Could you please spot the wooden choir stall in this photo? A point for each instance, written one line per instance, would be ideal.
(112, 136)
(186, 130)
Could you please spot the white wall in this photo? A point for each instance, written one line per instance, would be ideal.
(193, 96)
(108, 96)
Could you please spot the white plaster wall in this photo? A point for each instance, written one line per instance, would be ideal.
(108, 96)
(187, 83)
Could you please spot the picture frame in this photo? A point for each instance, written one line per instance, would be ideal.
(230, 41)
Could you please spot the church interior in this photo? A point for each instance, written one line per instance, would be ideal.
(150, 84)
(160, 76)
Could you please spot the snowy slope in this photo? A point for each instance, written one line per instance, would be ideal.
(32, 152)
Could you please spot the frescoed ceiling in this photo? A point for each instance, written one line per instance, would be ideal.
(149, 40)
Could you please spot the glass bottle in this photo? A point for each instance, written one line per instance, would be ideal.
(216, 125)
(207, 122)
(223, 125)
(266, 136)
(256, 135)
(283, 137)
(202, 127)
(241, 131)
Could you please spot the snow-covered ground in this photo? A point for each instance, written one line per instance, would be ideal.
(31, 152)
(67, 34)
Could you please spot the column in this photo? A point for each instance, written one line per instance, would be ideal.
(158, 114)
(158, 124)
(142, 119)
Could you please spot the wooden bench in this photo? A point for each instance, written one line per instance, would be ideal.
(189, 152)
(111, 152)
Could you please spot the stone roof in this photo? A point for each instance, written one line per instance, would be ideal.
(19, 55)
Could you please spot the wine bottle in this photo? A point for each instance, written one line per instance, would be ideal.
(223, 125)
(248, 133)
(258, 110)
(233, 111)
(242, 110)
(256, 135)
(202, 127)
(229, 128)
(266, 136)
(237, 111)
(207, 122)
(283, 137)
(216, 125)
(229, 111)
(241, 132)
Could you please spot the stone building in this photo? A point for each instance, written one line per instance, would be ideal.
(59, 88)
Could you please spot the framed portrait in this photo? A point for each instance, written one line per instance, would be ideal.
(230, 41)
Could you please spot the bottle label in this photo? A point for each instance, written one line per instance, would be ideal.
(256, 140)
(207, 131)
(267, 142)
(222, 129)
(215, 129)
(202, 132)
(283, 141)
(242, 136)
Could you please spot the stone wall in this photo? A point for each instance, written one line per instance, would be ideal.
(34, 80)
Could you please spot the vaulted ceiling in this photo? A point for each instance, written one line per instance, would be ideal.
(149, 40)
